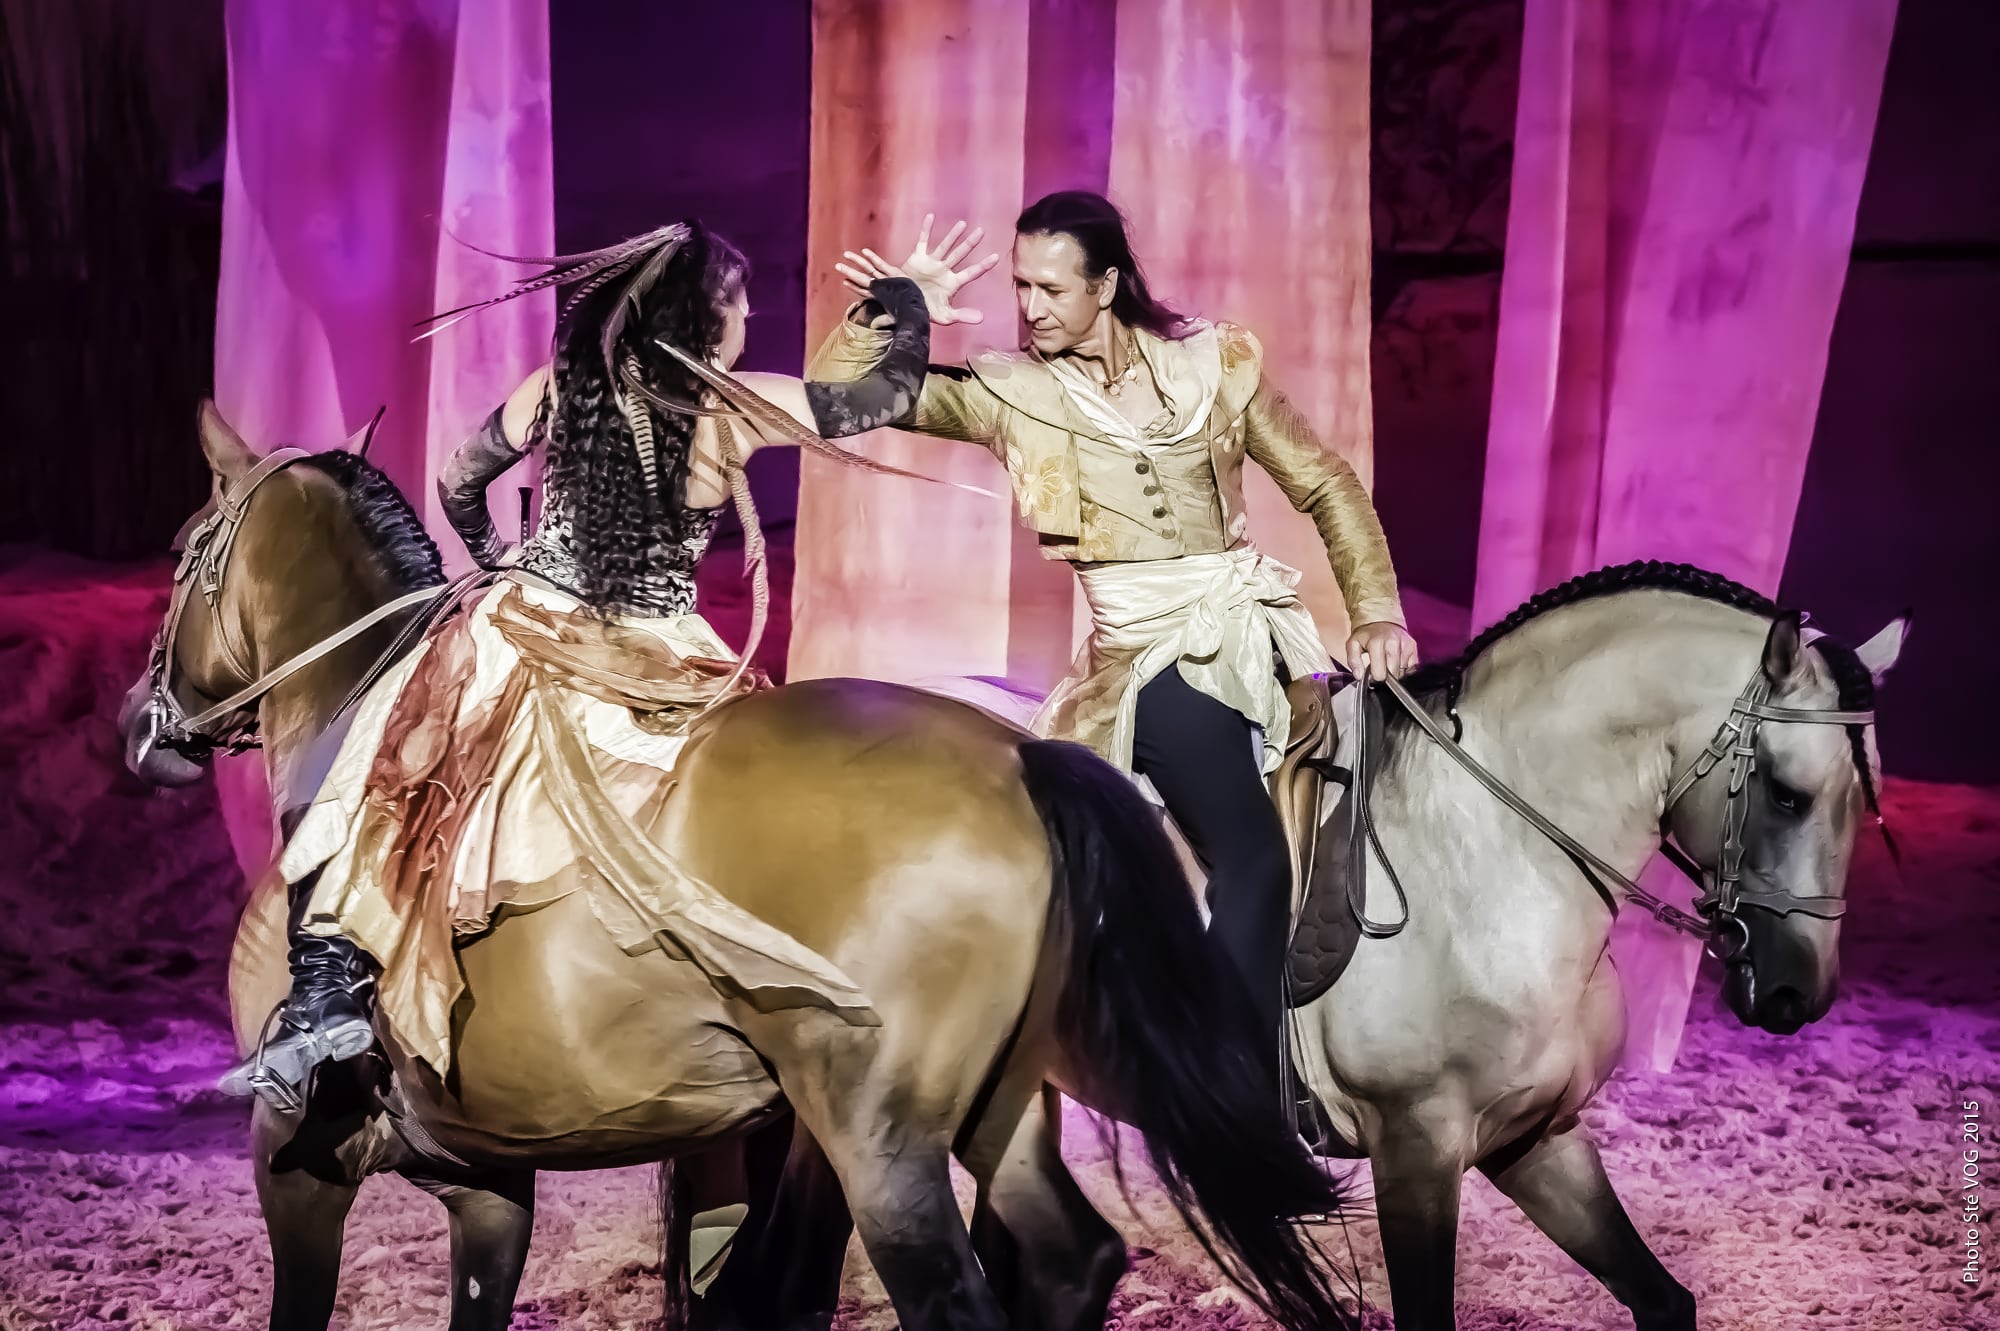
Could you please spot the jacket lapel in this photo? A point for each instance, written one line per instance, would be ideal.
(1031, 389)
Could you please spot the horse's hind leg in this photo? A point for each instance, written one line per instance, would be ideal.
(899, 1191)
(1051, 1258)
(890, 1146)
(1558, 1181)
(306, 1218)
(492, 1215)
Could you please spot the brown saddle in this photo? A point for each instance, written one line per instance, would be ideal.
(1328, 922)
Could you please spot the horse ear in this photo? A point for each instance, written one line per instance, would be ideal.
(359, 442)
(1783, 646)
(1881, 652)
(229, 455)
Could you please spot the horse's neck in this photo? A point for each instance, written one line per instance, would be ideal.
(1582, 714)
(298, 711)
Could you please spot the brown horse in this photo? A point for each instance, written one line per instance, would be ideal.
(1009, 907)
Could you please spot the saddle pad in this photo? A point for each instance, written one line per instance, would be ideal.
(1328, 930)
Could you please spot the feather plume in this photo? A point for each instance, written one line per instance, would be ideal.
(749, 406)
(639, 416)
(559, 271)
(629, 298)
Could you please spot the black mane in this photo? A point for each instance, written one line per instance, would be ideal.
(386, 518)
(1850, 677)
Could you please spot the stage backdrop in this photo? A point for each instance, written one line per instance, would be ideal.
(1685, 181)
(360, 137)
(916, 107)
(1235, 135)
(1686, 174)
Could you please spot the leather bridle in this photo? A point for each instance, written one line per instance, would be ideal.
(205, 544)
(1723, 893)
(1715, 918)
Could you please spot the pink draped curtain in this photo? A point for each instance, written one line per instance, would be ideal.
(1686, 174)
(361, 132)
(917, 107)
(1235, 135)
(1241, 155)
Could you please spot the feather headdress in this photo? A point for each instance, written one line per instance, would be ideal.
(639, 262)
(593, 268)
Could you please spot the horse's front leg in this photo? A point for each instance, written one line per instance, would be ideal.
(492, 1215)
(306, 1218)
(1558, 1181)
(1418, 1167)
(782, 1270)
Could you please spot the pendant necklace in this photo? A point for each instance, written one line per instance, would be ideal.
(1115, 385)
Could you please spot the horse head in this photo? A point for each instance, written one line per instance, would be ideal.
(187, 671)
(1772, 828)
(280, 556)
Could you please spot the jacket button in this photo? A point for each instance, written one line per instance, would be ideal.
(1143, 468)
(1159, 512)
(1151, 490)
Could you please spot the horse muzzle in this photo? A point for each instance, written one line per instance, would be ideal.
(1781, 1007)
(147, 726)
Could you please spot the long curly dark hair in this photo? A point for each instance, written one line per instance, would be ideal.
(620, 524)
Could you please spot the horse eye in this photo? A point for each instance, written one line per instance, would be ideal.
(1788, 799)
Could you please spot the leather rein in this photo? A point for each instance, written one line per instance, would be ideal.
(1715, 919)
(205, 544)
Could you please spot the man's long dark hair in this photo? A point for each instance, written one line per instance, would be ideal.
(1098, 229)
(620, 524)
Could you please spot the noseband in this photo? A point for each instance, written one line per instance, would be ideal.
(1715, 919)
(205, 544)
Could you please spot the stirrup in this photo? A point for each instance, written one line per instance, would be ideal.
(280, 1071)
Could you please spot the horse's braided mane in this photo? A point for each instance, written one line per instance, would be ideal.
(1850, 676)
(387, 521)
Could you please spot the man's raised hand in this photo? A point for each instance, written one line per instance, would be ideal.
(936, 269)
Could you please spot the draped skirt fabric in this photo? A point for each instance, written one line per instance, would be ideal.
(1217, 618)
(524, 753)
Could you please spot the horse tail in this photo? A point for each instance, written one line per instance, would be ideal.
(1152, 1018)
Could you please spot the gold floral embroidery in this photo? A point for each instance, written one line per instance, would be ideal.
(1238, 346)
(1039, 489)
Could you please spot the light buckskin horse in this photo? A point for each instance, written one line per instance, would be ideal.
(1474, 1038)
(1008, 906)
(1630, 705)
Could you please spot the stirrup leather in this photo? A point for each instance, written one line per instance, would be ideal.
(1300, 780)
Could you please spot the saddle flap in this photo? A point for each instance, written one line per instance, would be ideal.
(1300, 780)
(1327, 926)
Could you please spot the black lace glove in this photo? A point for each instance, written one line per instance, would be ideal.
(473, 466)
(888, 392)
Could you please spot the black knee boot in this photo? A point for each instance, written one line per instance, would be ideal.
(327, 1018)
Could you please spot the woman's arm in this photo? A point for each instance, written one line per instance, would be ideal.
(499, 442)
(883, 394)
(888, 391)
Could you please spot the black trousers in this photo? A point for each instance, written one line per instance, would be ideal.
(1201, 756)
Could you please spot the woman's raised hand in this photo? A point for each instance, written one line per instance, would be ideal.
(936, 269)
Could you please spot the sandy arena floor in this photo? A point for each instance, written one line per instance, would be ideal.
(1809, 1181)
